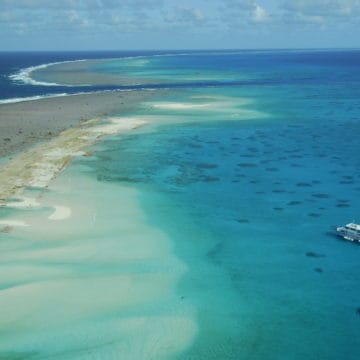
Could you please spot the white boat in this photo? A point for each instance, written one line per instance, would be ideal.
(350, 232)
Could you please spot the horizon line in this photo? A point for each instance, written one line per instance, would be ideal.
(190, 49)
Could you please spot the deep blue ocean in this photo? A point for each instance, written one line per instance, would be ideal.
(250, 190)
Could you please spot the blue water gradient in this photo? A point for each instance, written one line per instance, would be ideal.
(250, 199)
(252, 206)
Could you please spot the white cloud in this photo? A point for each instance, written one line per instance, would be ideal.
(244, 11)
(323, 8)
(259, 14)
(190, 14)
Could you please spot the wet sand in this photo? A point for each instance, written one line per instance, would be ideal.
(84, 73)
(26, 123)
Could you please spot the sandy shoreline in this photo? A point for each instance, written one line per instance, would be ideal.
(39, 138)
(26, 123)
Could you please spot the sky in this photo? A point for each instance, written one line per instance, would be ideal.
(178, 24)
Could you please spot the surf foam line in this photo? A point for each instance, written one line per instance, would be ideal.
(31, 98)
(24, 74)
(47, 96)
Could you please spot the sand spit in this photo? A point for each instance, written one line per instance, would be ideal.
(26, 123)
(180, 106)
(60, 213)
(80, 73)
(39, 165)
(12, 223)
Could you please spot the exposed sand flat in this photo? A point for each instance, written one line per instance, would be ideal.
(60, 213)
(42, 163)
(180, 106)
(106, 289)
(26, 123)
(235, 108)
(13, 223)
(81, 73)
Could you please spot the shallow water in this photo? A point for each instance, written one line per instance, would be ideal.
(252, 208)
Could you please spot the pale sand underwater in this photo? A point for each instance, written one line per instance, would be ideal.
(41, 163)
(80, 261)
(103, 287)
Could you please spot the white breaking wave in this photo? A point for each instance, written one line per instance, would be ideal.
(31, 98)
(24, 75)
(47, 96)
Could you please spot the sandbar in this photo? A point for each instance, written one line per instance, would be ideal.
(26, 123)
(82, 73)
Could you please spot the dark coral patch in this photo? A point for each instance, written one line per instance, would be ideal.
(314, 215)
(293, 203)
(207, 165)
(303, 184)
(320, 195)
(314, 254)
(243, 221)
(248, 165)
(273, 169)
(208, 179)
(342, 205)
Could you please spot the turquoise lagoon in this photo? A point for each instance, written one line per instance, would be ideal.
(206, 234)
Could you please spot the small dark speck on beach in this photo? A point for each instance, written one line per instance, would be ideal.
(6, 229)
(314, 254)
